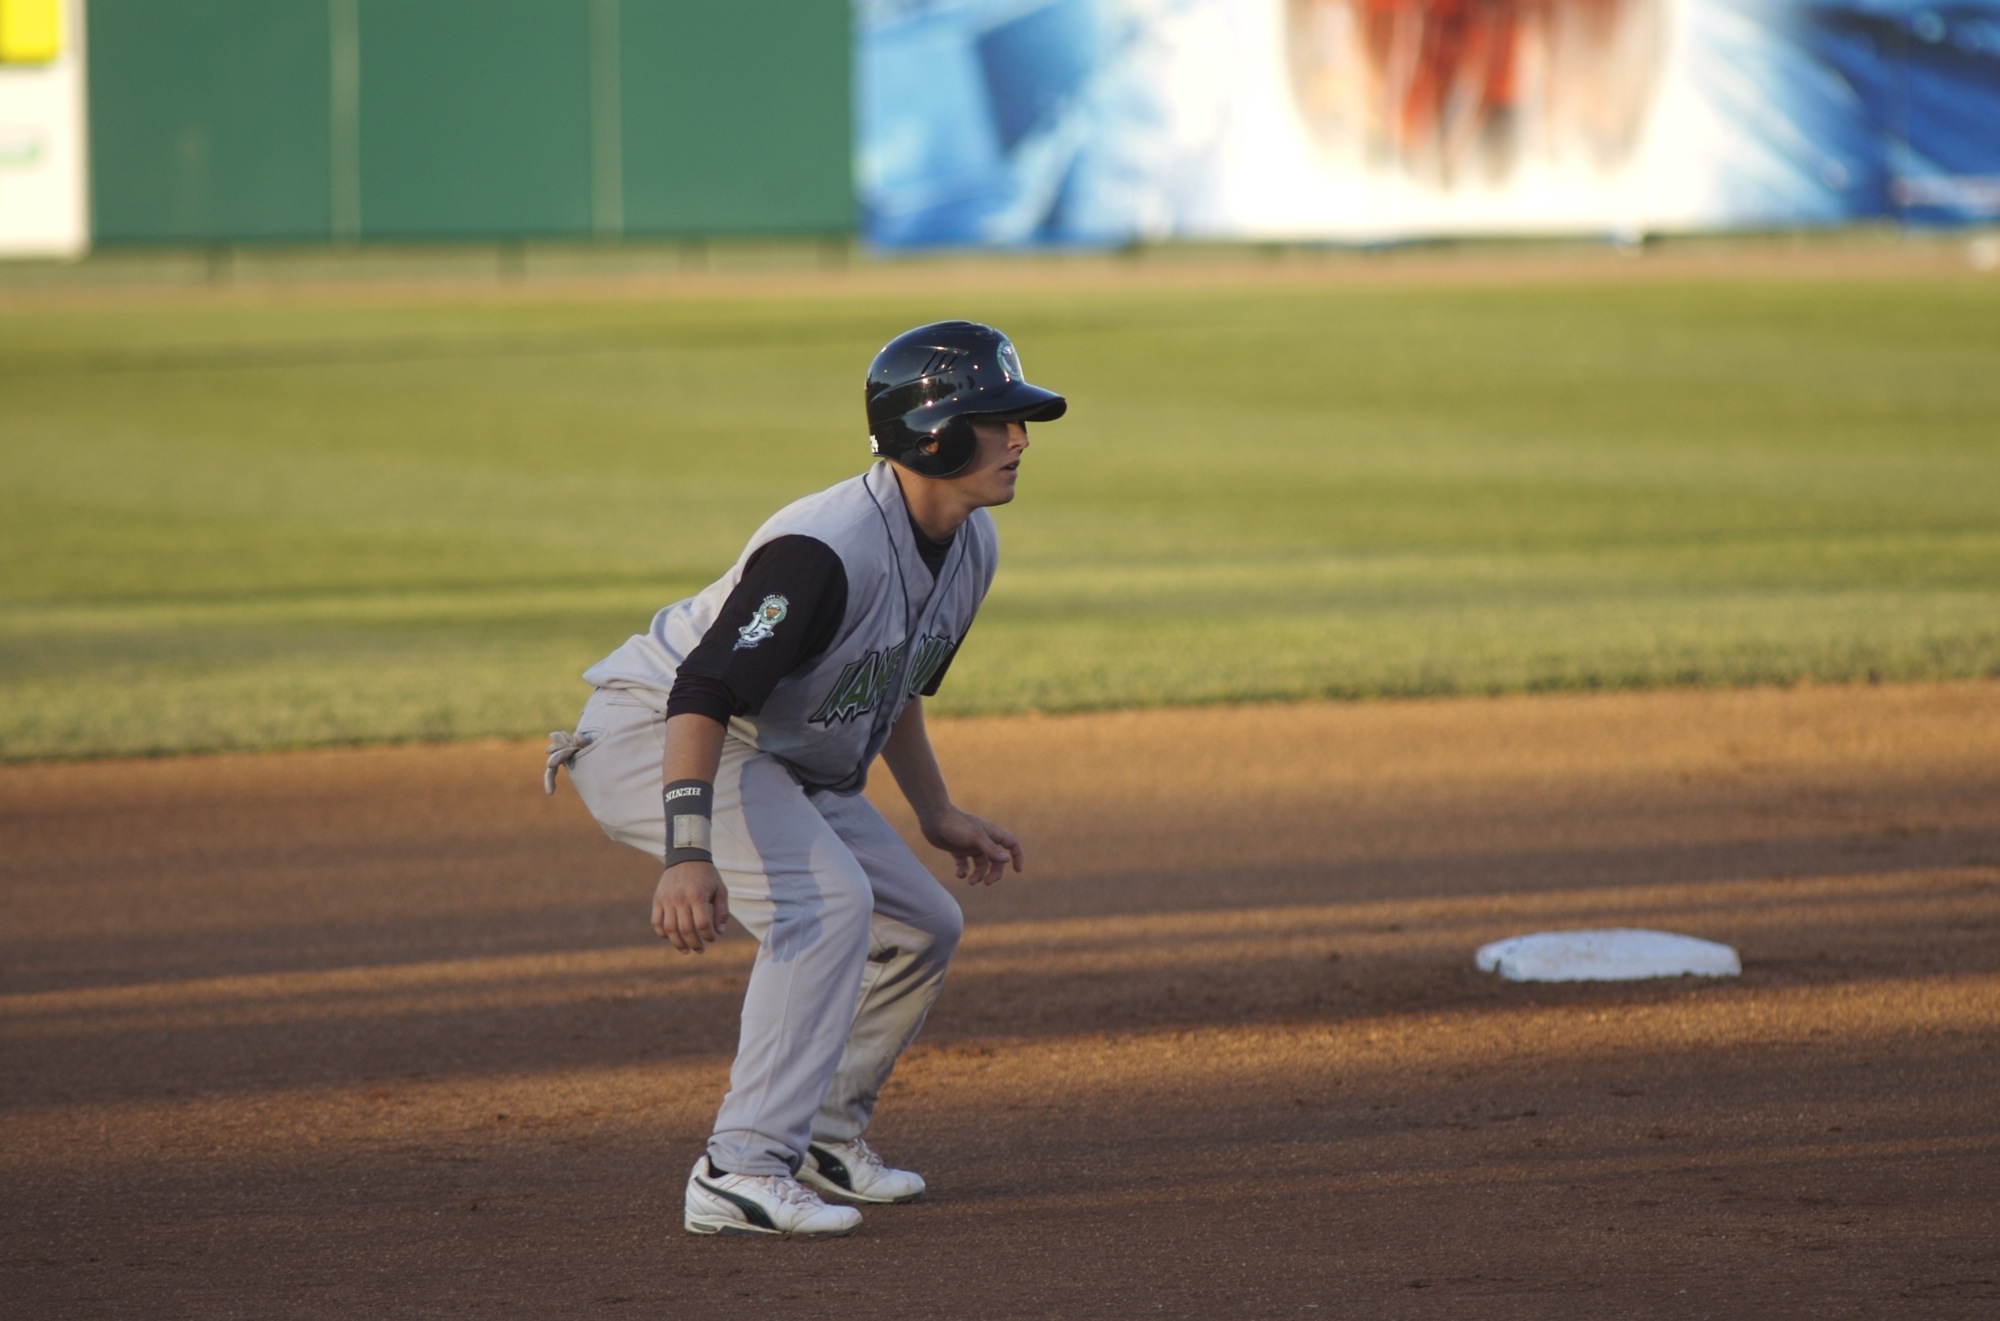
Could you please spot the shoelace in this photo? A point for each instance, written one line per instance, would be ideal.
(563, 747)
(784, 1188)
(865, 1155)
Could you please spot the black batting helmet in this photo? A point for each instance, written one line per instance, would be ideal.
(926, 384)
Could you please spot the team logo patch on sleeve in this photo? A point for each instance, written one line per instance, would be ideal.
(762, 624)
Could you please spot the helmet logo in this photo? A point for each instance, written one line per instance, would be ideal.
(1010, 363)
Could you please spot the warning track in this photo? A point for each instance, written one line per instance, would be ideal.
(384, 1032)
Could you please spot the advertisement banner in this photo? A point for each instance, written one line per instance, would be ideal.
(1103, 122)
(43, 184)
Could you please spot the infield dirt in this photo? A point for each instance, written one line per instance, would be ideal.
(383, 1033)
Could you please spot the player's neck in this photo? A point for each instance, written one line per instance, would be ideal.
(938, 507)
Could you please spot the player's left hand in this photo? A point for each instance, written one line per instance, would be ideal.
(979, 849)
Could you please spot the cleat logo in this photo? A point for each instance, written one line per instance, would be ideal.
(753, 1214)
(830, 1168)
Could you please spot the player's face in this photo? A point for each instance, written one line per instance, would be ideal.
(989, 478)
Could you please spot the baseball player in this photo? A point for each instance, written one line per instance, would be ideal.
(732, 739)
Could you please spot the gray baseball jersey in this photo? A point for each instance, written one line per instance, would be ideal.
(828, 720)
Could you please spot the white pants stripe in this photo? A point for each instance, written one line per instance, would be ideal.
(853, 933)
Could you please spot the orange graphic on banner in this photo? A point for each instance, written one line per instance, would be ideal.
(1451, 87)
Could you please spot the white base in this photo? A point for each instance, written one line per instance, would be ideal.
(1619, 955)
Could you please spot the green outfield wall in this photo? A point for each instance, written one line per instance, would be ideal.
(223, 121)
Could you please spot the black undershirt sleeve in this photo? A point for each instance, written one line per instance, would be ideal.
(734, 667)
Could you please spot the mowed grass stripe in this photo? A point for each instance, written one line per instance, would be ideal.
(316, 518)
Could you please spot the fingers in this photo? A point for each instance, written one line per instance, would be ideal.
(1001, 848)
(669, 918)
(1007, 840)
(990, 863)
(664, 924)
(970, 864)
(680, 930)
(688, 914)
(982, 866)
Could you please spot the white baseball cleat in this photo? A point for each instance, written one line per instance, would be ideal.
(760, 1204)
(852, 1170)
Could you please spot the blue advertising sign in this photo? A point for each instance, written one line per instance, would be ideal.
(1010, 122)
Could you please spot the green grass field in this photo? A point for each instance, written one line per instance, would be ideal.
(274, 517)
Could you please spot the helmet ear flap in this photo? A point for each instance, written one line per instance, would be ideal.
(944, 452)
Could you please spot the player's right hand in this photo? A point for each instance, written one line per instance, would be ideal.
(690, 906)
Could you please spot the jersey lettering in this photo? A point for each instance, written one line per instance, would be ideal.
(930, 655)
(858, 689)
(864, 683)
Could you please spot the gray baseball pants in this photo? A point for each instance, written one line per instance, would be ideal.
(853, 932)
